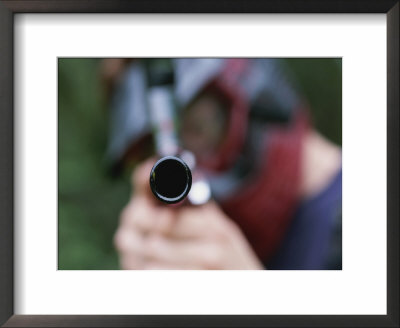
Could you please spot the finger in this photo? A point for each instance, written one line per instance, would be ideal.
(130, 249)
(178, 252)
(139, 214)
(128, 262)
(156, 265)
(172, 223)
(194, 222)
(129, 242)
(165, 220)
(188, 224)
(141, 177)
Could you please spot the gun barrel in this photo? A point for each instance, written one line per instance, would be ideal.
(170, 179)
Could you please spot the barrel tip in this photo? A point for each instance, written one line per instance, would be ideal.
(170, 179)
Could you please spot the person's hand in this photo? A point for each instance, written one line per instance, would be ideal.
(152, 235)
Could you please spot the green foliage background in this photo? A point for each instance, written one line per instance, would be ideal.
(89, 200)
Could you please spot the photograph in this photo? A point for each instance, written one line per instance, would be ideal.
(199, 163)
(213, 164)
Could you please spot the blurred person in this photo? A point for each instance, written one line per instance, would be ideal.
(275, 181)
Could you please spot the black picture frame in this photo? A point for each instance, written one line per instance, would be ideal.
(7, 11)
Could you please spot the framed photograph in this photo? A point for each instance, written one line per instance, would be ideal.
(218, 164)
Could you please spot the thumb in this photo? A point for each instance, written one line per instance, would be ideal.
(141, 177)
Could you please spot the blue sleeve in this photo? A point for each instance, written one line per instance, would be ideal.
(314, 238)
